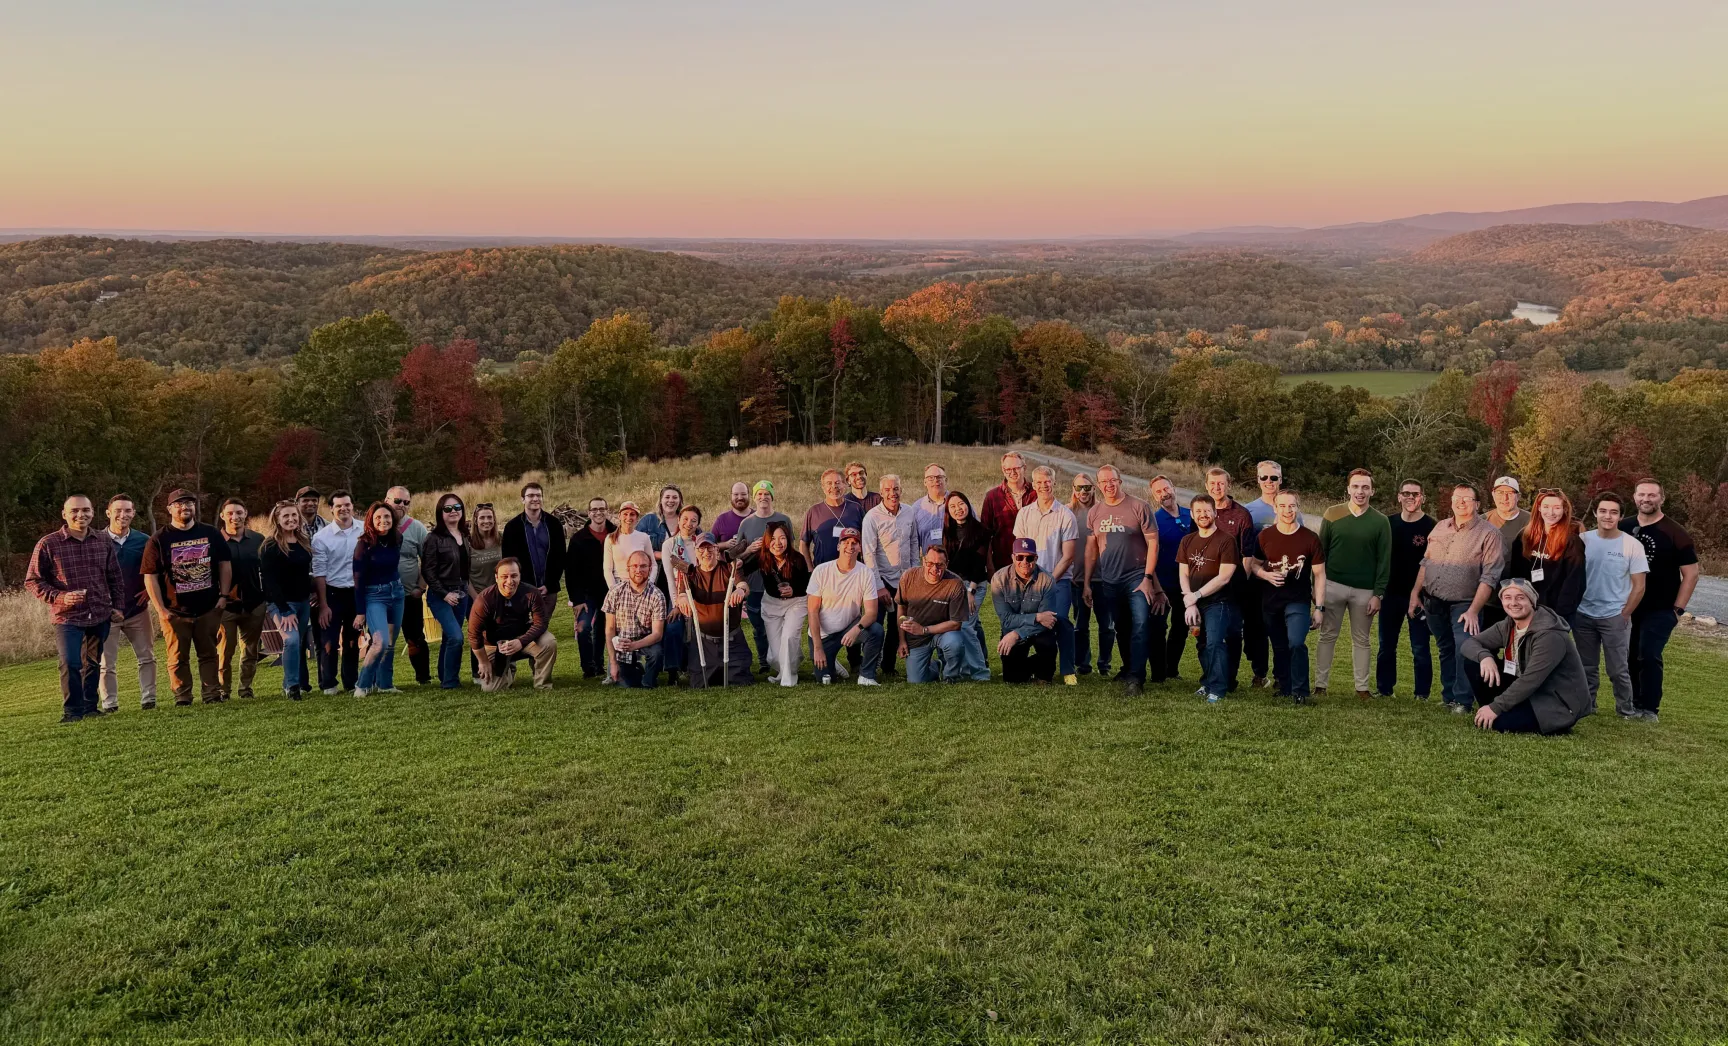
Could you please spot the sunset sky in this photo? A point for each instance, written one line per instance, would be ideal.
(773, 118)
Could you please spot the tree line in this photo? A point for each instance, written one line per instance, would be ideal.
(363, 403)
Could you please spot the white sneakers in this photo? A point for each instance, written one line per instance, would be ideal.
(867, 681)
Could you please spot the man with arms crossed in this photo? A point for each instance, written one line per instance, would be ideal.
(1358, 543)
(1614, 574)
(1673, 560)
(1120, 575)
(1460, 568)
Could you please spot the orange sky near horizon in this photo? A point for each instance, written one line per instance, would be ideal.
(773, 119)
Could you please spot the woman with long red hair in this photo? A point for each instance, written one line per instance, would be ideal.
(1550, 554)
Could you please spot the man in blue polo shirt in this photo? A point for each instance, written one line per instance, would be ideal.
(1169, 635)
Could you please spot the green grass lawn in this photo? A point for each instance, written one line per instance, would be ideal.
(1378, 382)
(979, 863)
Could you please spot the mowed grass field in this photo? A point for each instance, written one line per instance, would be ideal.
(1377, 382)
(905, 864)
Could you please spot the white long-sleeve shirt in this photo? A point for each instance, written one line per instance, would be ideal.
(333, 554)
(890, 542)
(615, 556)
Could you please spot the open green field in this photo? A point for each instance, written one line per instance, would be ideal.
(1378, 382)
(967, 864)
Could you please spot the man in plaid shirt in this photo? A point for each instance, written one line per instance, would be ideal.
(635, 623)
(77, 573)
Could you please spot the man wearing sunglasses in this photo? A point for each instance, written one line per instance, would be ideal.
(1021, 591)
(413, 587)
(1410, 529)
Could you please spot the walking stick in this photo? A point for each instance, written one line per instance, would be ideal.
(726, 626)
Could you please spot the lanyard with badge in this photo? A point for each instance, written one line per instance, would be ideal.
(1509, 663)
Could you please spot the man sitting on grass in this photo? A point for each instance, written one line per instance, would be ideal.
(1529, 677)
(507, 624)
(1021, 592)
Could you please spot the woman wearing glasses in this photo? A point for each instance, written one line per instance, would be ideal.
(445, 566)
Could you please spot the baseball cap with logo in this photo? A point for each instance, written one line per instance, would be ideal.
(630, 505)
(850, 532)
(1025, 547)
(1508, 481)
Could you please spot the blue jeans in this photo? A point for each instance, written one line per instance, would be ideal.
(672, 643)
(1061, 602)
(1455, 675)
(642, 673)
(1394, 614)
(753, 611)
(1220, 622)
(951, 646)
(450, 644)
(80, 666)
(1083, 632)
(382, 605)
(1287, 627)
(294, 644)
(1650, 634)
(977, 667)
(1124, 614)
(590, 628)
(869, 645)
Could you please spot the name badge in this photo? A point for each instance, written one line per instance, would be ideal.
(1509, 667)
(936, 535)
(1536, 574)
(837, 529)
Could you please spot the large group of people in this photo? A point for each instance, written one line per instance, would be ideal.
(1522, 606)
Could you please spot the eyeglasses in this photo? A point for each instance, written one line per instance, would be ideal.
(1409, 493)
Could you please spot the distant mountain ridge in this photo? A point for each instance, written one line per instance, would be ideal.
(1420, 230)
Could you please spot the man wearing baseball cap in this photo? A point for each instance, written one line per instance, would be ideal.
(187, 570)
(1526, 672)
(1506, 514)
(1024, 605)
(310, 521)
(843, 601)
(713, 595)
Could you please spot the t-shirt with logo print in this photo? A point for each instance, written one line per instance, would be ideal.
(931, 604)
(1297, 555)
(1667, 547)
(1409, 542)
(1124, 531)
(188, 562)
(1205, 558)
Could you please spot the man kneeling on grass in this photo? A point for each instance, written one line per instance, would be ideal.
(635, 624)
(1022, 594)
(507, 624)
(934, 607)
(1529, 677)
(844, 595)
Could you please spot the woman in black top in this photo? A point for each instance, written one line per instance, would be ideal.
(1550, 554)
(968, 545)
(444, 567)
(785, 582)
(285, 564)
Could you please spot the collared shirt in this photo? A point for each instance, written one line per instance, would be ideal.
(1459, 559)
(333, 554)
(636, 611)
(1020, 601)
(62, 563)
(999, 513)
(890, 542)
(927, 519)
(1171, 531)
(314, 525)
(1052, 529)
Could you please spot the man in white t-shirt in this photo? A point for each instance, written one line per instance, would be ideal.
(842, 600)
(1614, 570)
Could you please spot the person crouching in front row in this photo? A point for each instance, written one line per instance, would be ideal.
(1022, 594)
(507, 624)
(635, 612)
(1529, 677)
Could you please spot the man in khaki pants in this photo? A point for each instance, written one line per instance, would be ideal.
(1357, 540)
(186, 571)
(243, 618)
(508, 622)
(136, 628)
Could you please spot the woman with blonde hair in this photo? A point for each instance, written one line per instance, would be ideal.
(285, 566)
(1550, 554)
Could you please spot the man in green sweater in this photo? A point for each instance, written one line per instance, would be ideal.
(1357, 539)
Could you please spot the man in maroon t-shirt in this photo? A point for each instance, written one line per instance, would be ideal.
(1002, 504)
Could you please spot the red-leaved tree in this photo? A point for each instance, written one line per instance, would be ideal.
(1492, 398)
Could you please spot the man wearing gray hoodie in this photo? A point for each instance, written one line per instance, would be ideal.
(1528, 676)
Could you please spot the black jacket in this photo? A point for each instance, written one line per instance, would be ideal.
(1562, 586)
(443, 564)
(516, 544)
(583, 566)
